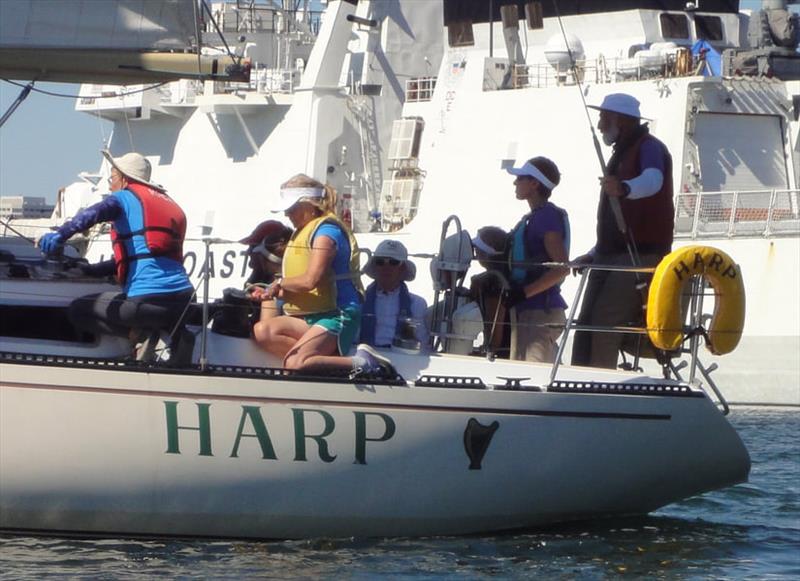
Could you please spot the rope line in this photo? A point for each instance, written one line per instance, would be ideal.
(71, 96)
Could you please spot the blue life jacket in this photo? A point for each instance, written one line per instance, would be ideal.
(368, 319)
(522, 272)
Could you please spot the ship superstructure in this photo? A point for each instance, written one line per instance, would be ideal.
(413, 110)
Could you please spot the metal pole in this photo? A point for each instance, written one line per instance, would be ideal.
(206, 281)
(491, 28)
(562, 346)
(697, 319)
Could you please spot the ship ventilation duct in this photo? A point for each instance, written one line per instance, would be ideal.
(510, 17)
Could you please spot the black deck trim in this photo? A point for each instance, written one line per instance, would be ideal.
(211, 370)
(450, 381)
(648, 389)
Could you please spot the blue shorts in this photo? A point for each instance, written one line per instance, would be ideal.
(343, 323)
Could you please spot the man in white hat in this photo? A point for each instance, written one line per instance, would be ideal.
(147, 233)
(639, 176)
(388, 300)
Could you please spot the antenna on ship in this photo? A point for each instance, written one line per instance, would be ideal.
(630, 243)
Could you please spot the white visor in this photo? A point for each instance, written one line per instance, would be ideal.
(531, 170)
(483, 247)
(290, 196)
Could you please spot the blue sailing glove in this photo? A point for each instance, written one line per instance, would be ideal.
(51, 242)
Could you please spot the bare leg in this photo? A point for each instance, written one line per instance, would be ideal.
(315, 351)
(278, 335)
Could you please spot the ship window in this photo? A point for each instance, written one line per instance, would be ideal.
(674, 26)
(460, 33)
(708, 27)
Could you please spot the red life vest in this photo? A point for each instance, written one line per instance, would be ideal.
(164, 229)
(650, 219)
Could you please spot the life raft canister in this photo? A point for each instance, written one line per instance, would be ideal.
(164, 229)
(664, 320)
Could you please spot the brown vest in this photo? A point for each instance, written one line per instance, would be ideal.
(650, 220)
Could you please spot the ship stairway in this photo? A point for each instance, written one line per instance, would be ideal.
(364, 112)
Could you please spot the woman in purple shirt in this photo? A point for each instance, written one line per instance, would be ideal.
(541, 236)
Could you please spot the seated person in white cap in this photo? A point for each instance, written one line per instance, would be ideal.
(320, 288)
(147, 233)
(389, 307)
(638, 182)
(541, 236)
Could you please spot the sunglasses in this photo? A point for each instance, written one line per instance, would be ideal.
(385, 261)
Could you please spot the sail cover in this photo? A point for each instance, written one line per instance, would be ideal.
(144, 25)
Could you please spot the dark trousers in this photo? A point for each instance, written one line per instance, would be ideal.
(611, 299)
(116, 314)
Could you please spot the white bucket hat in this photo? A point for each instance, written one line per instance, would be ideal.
(621, 103)
(134, 166)
(391, 249)
(290, 196)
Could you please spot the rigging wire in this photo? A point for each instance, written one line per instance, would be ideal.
(17, 102)
(197, 36)
(7, 225)
(73, 96)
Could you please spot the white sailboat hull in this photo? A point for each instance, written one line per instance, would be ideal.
(95, 452)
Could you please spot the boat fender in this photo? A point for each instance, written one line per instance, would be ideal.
(664, 324)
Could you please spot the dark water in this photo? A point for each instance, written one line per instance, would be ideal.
(748, 531)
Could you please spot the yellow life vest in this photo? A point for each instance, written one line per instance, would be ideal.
(664, 324)
(322, 298)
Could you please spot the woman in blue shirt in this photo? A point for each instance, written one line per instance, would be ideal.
(320, 289)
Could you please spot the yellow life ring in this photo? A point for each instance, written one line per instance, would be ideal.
(664, 315)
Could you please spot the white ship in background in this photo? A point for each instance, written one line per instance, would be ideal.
(412, 109)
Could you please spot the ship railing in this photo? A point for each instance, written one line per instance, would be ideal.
(236, 17)
(737, 214)
(271, 81)
(420, 89)
(642, 65)
(263, 80)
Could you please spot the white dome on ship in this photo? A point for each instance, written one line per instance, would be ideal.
(556, 53)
